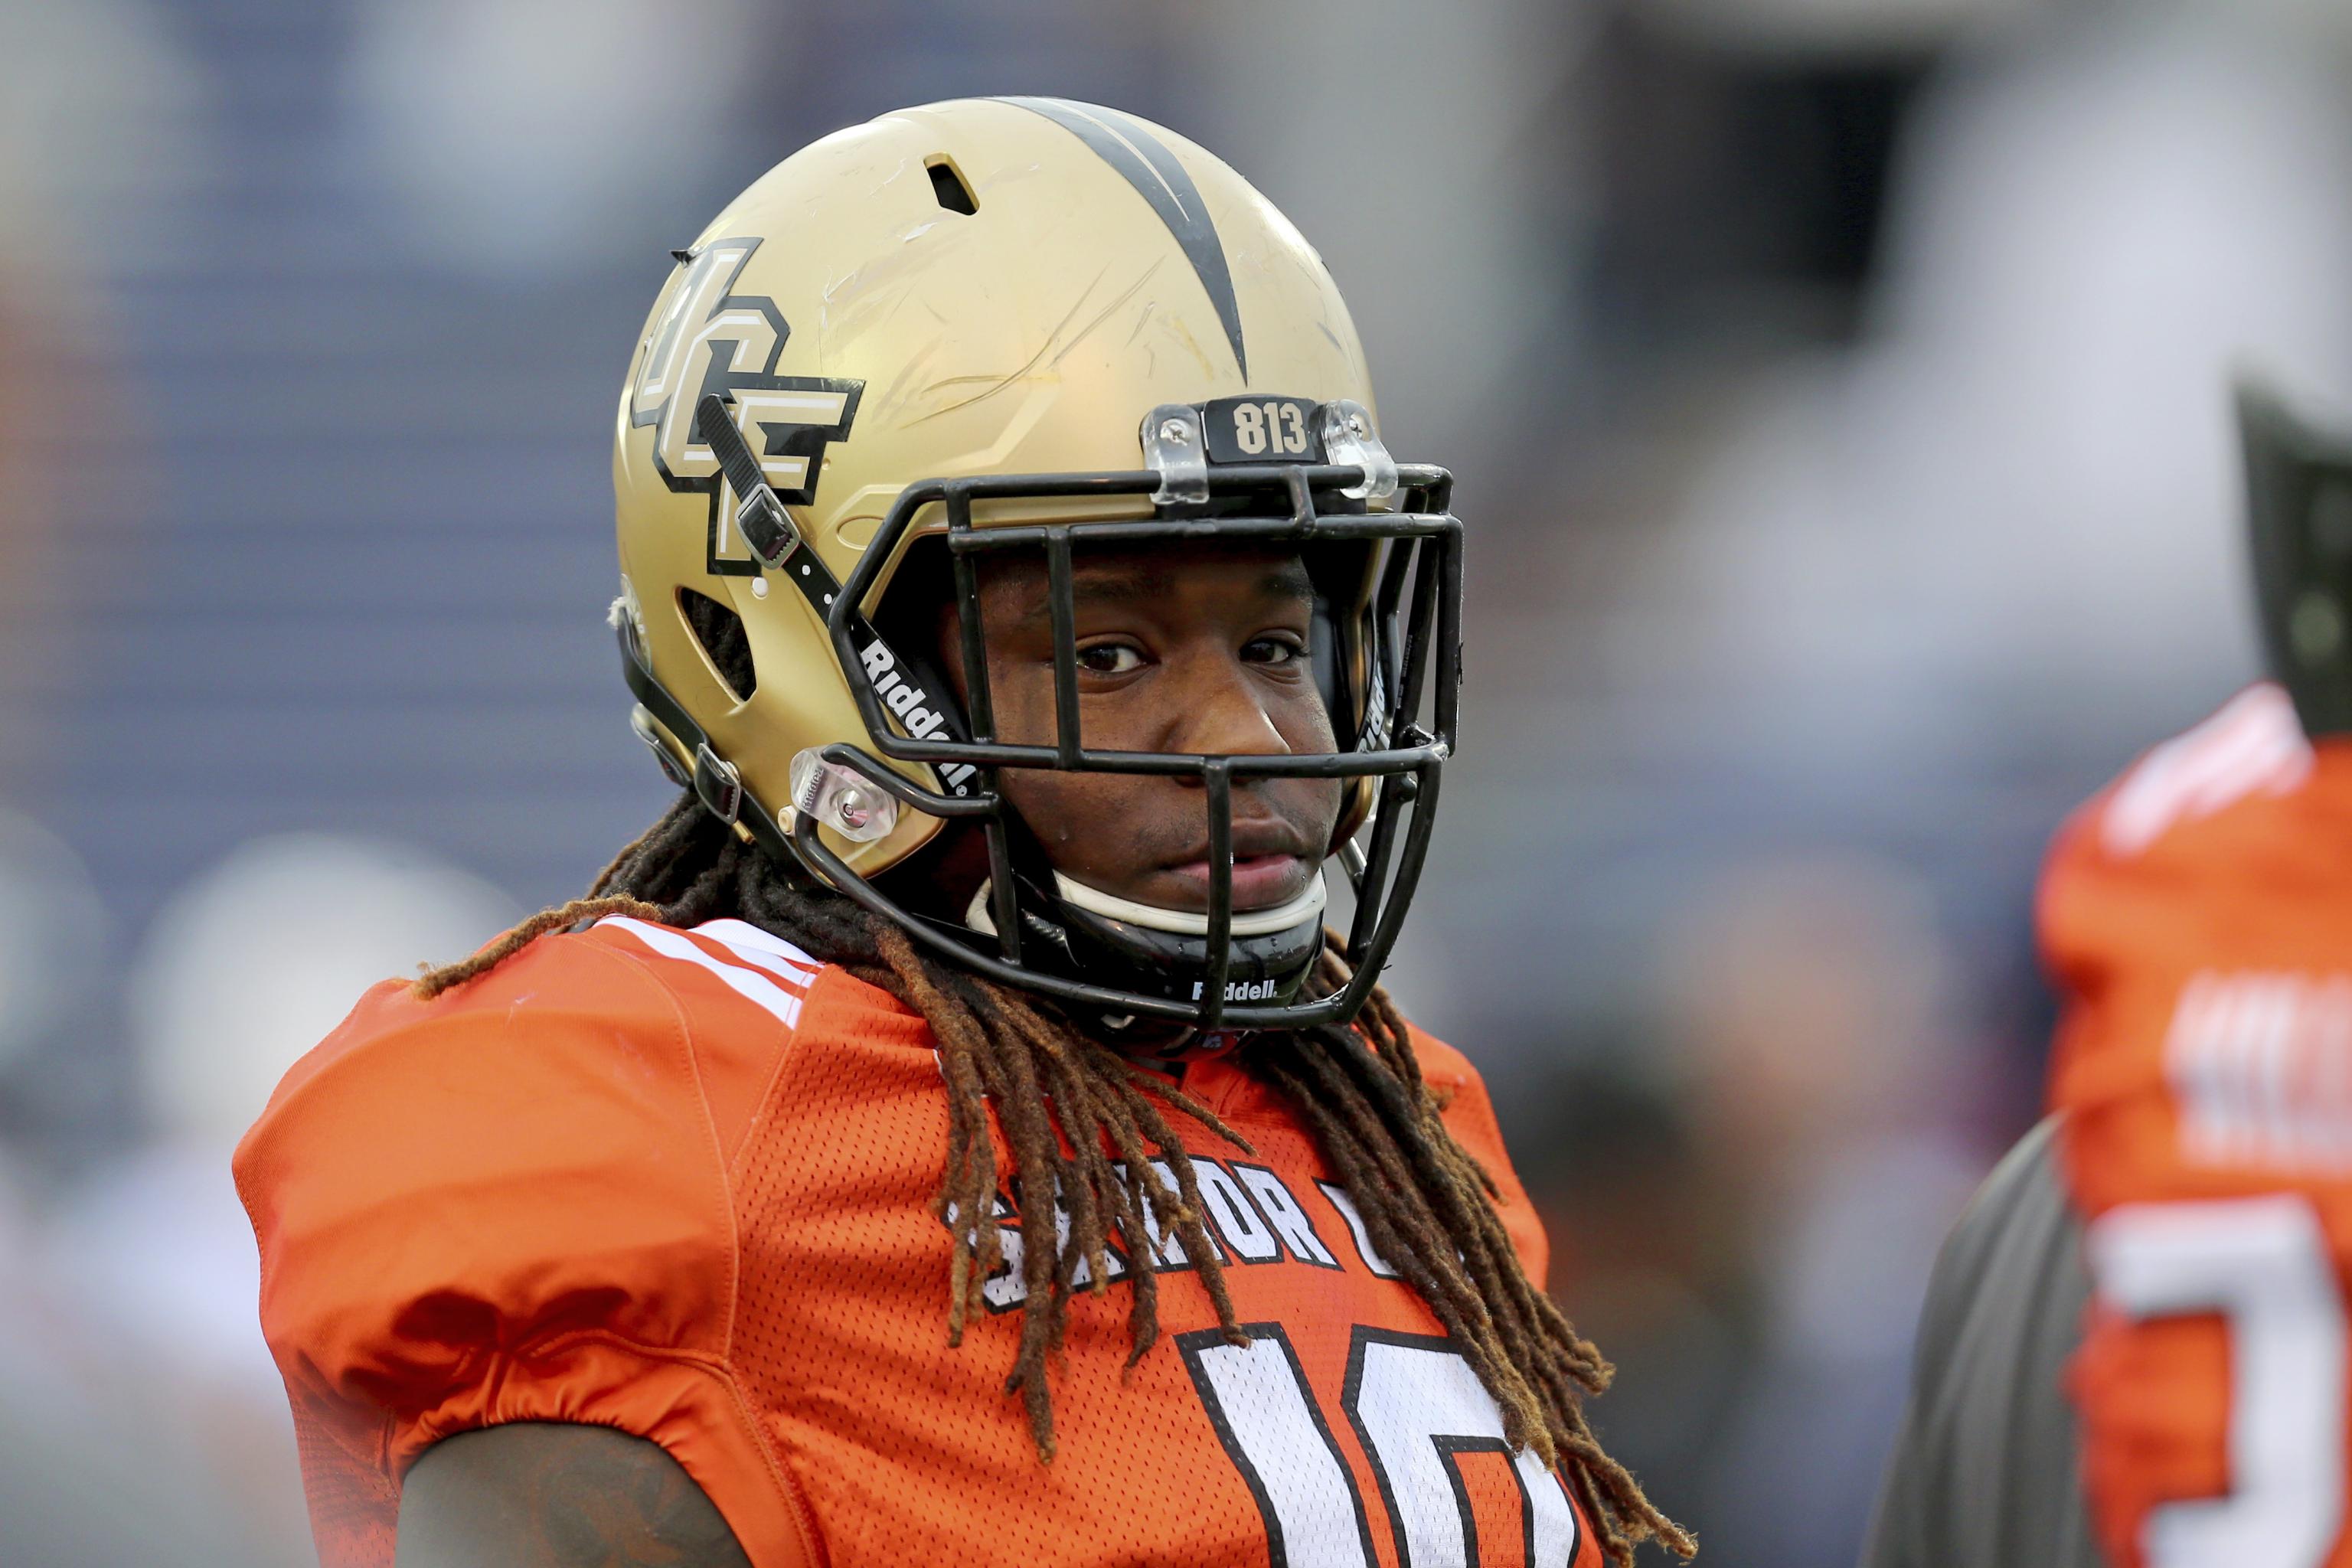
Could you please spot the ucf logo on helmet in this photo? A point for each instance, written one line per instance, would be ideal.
(706, 338)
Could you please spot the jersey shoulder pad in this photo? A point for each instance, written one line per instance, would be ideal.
(507, 1202)
(527, 1154)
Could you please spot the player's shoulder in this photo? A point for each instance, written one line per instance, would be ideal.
(549, 1141)
(1456, 1084)
(546, 1008)
(1468, 1112)
(1441, 1065)
(2234, 776)
(729, 975)
(534, 1136)
(2228, 811)
(668, 1035)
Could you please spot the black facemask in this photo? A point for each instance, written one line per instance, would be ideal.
(1385, 661)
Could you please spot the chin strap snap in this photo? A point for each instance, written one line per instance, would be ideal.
(717, 784)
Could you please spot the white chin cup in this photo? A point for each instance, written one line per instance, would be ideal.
(1306, 906)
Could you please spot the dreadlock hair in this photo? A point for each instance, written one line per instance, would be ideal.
(1357, 1088)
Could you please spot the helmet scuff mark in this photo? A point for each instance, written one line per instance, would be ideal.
(1054, 345)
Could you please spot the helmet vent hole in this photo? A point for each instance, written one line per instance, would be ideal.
(718, 632)
(947, 184)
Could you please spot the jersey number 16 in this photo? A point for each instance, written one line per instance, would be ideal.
(1416, 1408)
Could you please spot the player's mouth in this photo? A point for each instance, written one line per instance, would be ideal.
(1269, 868)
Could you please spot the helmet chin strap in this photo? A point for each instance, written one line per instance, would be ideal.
(1297, 912)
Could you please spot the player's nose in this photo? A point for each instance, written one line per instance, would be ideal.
(1224, 711)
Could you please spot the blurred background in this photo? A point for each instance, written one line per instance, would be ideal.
(1838, 393)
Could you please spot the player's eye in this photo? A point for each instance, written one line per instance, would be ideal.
(1276, 651)
(1110, 658)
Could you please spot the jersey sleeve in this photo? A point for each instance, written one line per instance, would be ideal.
(1469, 1115)
(505, 1205)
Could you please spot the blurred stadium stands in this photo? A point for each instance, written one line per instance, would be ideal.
(1837, 390)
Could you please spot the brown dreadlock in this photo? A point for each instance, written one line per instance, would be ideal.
(1359, 1089)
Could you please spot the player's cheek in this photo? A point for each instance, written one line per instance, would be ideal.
(1021, 693)
(1301, 719)
(1088, 823)
(1315, 804)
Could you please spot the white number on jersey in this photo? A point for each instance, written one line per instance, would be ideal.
(2262, 1264)
(1415, 1404)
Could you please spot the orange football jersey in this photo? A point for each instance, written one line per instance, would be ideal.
(2198, 918)
(678, 1182)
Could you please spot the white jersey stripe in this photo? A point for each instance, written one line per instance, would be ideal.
(755, 988)
(770, 951)
(2254, 742)
(795, 979)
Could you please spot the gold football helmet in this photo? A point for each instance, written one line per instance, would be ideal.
(1017, 323)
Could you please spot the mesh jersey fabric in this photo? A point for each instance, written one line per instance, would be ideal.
(679, 1182)
(2197, 918)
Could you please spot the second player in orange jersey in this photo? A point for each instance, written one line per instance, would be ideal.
(2133, 1353)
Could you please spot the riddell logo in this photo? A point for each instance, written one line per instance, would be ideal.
(910, 705)
(1241, 990)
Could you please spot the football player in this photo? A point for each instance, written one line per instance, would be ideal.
(948, 1135)
(2132, 1353)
